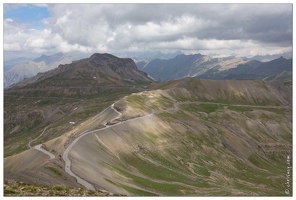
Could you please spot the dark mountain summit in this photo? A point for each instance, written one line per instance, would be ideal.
(87, 75)
(120, 68)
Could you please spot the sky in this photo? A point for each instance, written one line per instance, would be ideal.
(30, 30)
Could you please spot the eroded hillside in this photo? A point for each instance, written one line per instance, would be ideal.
(189, 137)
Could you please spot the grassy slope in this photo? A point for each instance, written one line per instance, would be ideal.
(25, 117)
(211, 149)
(212, 158)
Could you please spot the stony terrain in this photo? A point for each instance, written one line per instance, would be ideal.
(17, 188)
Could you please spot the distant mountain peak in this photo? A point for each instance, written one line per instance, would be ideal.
(49, 59)
(31, 68)
(41, 58)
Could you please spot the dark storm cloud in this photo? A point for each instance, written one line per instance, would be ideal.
(270, 29)
(240, 24)
(268, 23)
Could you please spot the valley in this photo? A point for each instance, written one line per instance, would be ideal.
(190, 137)
(147, 99)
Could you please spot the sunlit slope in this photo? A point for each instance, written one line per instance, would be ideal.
(193, 137)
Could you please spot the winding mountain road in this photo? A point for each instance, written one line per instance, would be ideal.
(86, 184)
(174, 108)
(83, 182)
(65, 155)
(119, 113)
(29, 144)
(39, 146)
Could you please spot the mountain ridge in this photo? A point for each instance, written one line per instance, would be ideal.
(49, 59)
(202, 66)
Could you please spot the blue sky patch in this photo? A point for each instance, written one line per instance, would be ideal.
(28, 13)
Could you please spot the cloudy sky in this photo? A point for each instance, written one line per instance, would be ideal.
(222, 29)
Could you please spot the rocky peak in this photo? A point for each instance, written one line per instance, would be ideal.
(110, 61)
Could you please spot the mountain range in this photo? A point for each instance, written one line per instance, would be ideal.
(29, 69)
(267, 58)
(103, 124)
(169, 66)
(203, 66)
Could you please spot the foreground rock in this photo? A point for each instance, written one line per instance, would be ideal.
(16, 188)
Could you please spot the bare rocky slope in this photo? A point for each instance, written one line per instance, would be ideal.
(190, 137)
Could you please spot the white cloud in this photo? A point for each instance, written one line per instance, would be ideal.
(66, 47)
(12, 47)
(245, 29)
(8, 20)
(168, 29)
(44, 5)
